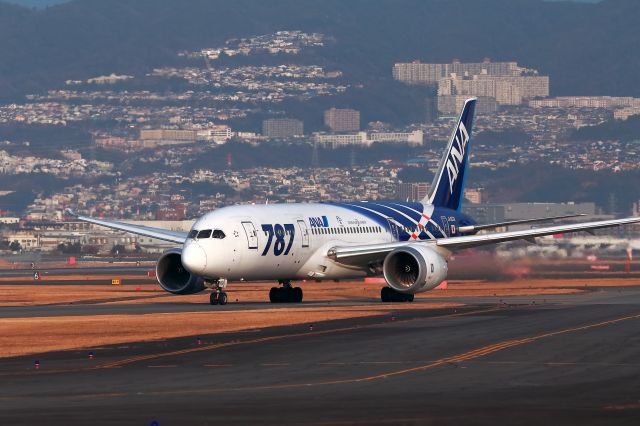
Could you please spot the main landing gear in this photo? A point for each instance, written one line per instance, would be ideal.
(387, 294)
(285, 294)
(218, 296)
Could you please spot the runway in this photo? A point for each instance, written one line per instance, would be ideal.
(566, 359)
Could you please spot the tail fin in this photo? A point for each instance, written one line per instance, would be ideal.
(448, 184)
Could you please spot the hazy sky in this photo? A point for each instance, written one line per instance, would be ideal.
(43, 3)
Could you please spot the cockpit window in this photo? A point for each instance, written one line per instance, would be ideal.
(205, 233)
(217, 233)
(193, 233)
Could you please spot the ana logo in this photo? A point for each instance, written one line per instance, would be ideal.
(319, 222)
(456, 155)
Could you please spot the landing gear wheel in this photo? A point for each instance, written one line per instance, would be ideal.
(222, 298)
(286, 294)
(213, 298)
(384, 294)
(274, 294)
(387, 294)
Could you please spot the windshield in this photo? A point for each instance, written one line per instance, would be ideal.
(205, 233)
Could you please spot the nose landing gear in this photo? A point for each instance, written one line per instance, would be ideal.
(286, 293)
(218, 296)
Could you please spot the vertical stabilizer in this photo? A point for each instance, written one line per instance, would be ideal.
(448, 184)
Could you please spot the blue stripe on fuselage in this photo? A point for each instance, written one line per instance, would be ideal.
(398, 212)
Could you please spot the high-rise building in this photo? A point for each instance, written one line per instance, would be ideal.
(282, 128)
(505, 82)
(430, 109)
(452, 104)
(342, 120)
(412, 191)
(418, 73)
(506, 90)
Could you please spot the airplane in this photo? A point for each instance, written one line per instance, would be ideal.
(408, 243)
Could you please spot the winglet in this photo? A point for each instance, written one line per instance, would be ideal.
(71, 213)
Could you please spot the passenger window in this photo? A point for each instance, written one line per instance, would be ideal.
(193, 233)
(205, 233)
(217, 233)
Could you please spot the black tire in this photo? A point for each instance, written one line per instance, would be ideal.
(273, 295)
(409, 297)
(222, 300)
(384, 294)
(297, 295)
(288, 295)
(213, 298)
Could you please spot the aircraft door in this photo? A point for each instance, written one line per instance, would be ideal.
(304, 232)
(395, 231)
(252, 235)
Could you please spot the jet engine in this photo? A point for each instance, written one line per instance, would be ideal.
(173, 277)
(414, 268)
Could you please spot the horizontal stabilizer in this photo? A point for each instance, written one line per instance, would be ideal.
(476, 228)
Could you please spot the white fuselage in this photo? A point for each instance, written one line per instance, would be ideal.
(281, 241)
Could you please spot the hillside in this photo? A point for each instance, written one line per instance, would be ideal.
(582, 46)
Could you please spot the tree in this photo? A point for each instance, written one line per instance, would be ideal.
(118, 249)
(15, 246)
(70, 248)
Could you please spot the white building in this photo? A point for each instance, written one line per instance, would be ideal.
(366, 139)
(217, 134)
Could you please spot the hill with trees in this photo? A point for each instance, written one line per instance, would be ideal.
(583, 47)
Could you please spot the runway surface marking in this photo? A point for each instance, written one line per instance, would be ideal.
(450, 360)
(215, 346)
(442, 362)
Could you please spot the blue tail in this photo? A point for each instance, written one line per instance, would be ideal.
(448, 185)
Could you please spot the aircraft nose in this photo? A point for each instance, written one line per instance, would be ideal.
(194, 259)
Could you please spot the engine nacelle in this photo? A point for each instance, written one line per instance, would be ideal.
(173, 277)
(414, 268)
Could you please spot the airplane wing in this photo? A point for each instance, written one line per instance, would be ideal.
(475, 228)
(363, 254)
(147, 231)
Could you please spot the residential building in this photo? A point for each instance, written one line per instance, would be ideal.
(607, 102)
(412, 191)
(342, 120)
(420, 73)
(217, 134)
(365, 139)
(452, 104)
(152, 138)
(282, 128)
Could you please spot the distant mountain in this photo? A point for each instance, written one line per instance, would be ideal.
(585, 48)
